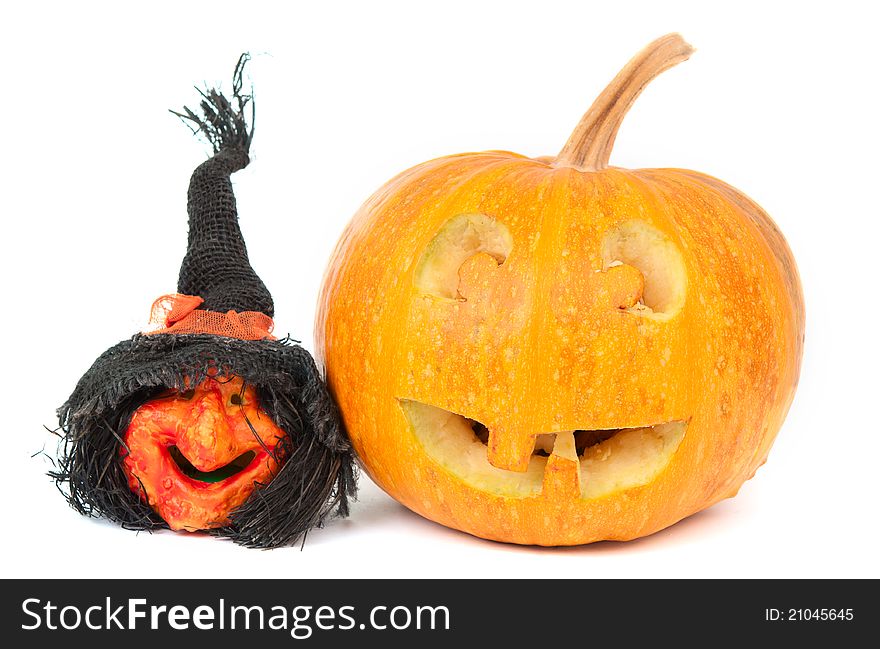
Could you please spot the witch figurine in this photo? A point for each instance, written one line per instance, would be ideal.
(206, 421)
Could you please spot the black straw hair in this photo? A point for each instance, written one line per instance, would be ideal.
(316, 477)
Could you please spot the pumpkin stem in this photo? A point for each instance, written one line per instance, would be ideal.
(589, 146)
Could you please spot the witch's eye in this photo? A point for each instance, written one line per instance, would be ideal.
(236, 399)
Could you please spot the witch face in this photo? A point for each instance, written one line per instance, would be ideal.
(194, 456)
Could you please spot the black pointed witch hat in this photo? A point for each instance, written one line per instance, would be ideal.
(216, 266)
(226, 328)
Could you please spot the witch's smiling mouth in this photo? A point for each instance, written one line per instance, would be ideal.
(186, 467)
(609, 460)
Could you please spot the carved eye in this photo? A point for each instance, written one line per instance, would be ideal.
(460, 238)
(648, 270)
(236, 399)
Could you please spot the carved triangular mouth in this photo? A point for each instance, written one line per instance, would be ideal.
(186, 467)
(609, 460)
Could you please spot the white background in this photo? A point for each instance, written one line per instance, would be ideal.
(779, 100)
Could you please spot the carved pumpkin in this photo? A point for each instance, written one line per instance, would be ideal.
(554, 351)
(194, 456)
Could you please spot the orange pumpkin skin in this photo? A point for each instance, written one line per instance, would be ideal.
(209, 426)
(543, 342)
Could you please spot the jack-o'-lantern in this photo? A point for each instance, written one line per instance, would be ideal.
(206, 421)
(554, 351)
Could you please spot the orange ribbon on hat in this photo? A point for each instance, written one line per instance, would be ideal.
(179, 314)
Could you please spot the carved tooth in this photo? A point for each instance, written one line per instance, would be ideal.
(565, 446)
(510, 450)
(562, 474)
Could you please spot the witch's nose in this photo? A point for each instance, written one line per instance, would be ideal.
(205, 438)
